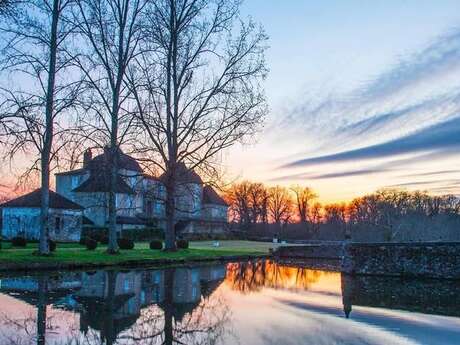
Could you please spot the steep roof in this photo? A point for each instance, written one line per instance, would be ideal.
(33, 199)
(210, 196)
(80, 171)
(184, 175)
(101, 162)
(100, 182)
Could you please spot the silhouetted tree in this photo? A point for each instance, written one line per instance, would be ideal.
(197, 88)
(34, 42)
(110, 32)
(303, 198)
(280, 204)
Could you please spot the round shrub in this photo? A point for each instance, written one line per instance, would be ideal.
(90, 244)
(104, 240)
(52, 245)
(18, 241)
(155, 244)
(82, 241)
(182, 244)
(125, 243)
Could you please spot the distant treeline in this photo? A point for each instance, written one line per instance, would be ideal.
(386, 215)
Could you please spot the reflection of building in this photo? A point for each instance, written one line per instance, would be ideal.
(27, 288)
(111, 301)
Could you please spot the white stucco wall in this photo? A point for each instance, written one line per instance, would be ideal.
(25, 221)
(215, 212)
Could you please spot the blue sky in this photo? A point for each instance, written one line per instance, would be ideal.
(363, 95)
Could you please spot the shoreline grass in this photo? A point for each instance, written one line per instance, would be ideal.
(74, 254)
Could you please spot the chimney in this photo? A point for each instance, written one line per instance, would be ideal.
(87, 156)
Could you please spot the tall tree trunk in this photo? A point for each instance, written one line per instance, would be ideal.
(170, 235)
(113, 245)
(48, 137)
(113, 169)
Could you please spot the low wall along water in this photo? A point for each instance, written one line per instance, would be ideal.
(434, 260)
(431, 260)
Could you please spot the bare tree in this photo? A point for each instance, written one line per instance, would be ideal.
(280, 204)
(34, 50)
(197, 87)
(315, 215)
(110, 33)
(303, 198)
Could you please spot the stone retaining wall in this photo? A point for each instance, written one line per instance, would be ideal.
(434, 260)
(311, 251)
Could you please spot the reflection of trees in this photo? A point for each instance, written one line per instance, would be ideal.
(173, 306)
(254, 275)
(170, 322)
(32, 327)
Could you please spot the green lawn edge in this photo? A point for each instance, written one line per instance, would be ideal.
(74, 255)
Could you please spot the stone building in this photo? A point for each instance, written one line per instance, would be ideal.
(21, 217)
(140, 198)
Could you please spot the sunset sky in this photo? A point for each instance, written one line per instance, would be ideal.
(362, 95)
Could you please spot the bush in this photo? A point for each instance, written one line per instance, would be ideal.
(146, 234)
(182, 244)
(90, 244)
(18, 241)
(104, 240)
(96, 233)
(155, 244)
(52, 245)
(125, 243)
(83, 240)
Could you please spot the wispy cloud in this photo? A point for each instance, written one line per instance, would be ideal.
(440, 137)
(419, 91)
(339, 174)
(408, 116)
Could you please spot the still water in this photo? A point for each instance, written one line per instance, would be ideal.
(253, 303)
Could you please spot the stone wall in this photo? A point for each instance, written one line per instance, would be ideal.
(434, 260)
(25, 221)
(311, 251)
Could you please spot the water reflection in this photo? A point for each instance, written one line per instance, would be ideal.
(156, 306)
(207, 305)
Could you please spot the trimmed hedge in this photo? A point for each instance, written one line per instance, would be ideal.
(101, 234)
(52, 245)
(146, 234)
(182, 244)
(125, 243)
(156, 245)
(91, 244)
(18, 241)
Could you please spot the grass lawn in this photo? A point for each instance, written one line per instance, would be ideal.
(71, 253)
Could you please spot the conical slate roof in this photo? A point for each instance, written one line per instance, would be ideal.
(33, 199)
(102, 161)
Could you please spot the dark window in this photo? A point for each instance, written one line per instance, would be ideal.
(148, 207)
(58, 224)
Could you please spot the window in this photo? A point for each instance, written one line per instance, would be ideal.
(58, 224)
(148, 207)
(74, 181)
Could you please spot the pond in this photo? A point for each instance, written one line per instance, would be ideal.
(253, 303)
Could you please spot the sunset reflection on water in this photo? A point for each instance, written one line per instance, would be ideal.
(256, 302)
